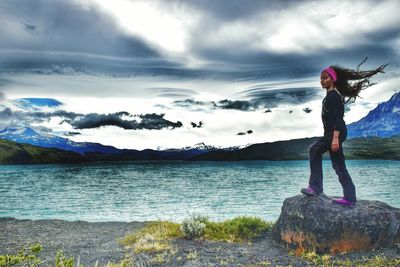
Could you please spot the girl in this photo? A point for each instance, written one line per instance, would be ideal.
(336, 82)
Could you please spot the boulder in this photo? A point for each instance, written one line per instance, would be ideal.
(316, 224)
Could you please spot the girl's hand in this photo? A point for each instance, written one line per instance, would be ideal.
(335, 144)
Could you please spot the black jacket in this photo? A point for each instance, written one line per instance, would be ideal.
(332, 114)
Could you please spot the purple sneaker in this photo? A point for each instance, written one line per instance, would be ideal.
(308, 191)
(343, 201)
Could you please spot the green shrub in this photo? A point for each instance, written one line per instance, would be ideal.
(194, 227)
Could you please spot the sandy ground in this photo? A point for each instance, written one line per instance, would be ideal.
(93, 242)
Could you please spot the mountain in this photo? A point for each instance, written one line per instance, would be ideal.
(150, 154)
(16, 153)
(27, 135)
(297, 149)
(383, 121)
(203, 146)
(356, 148)
(95, 151)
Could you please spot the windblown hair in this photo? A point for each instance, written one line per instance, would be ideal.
(359, 80)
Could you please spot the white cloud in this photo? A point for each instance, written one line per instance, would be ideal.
(163, 26)
(304, 26)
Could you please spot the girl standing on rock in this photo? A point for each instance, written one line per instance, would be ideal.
(338, 92)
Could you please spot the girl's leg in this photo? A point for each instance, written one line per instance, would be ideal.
(338, 163)
(315, 156)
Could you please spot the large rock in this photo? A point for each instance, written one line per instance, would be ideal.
(316, 224)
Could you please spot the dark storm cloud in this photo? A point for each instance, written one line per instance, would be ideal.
(171, 92)
(2, 95)
(72, 133)
(27, 118)
(4, 81)
(261, 98)
(69, 26)
(350, 57)
(243, 105)
(186, 103)
(29, 28)
(256, 65)
(195, 125)
(96, 65)
(244, 133)
(82, 38)
(65, 37)
(93, 120)
(236, 9)
(148, 121)
(378, 45)
(274, 98)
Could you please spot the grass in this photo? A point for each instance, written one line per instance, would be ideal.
(192, 255)
(25, 256)
(326, 260)
(240, 229)
(153, 237)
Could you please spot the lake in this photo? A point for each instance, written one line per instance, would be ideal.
(171, 190)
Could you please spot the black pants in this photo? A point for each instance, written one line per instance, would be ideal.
(315, 155)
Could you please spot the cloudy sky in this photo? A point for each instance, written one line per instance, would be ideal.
(169, 74)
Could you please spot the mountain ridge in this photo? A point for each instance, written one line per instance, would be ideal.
(382, 121)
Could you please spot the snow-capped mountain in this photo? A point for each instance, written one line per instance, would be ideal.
(202, 146)
(27, 135)
(383, 121)
(199, 146)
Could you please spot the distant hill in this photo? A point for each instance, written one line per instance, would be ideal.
(357, 148)
(383, 121)
(95, 151)
(89, 151)
(297, 149)
(16, 153)
(27, 135)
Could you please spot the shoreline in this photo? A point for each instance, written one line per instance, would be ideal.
(95, 242)
(325, 158)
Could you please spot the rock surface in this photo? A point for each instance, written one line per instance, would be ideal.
(317, 224)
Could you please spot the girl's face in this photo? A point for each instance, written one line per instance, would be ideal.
(326, 80)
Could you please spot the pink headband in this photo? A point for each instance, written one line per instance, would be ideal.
(331, 73)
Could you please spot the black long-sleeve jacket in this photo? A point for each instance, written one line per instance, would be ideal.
(332, 114)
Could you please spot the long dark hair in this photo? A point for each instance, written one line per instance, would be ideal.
(360, 80)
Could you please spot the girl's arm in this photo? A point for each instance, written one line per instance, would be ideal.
(335, 141)
(336, 103)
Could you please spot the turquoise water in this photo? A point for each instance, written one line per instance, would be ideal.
(143, 191)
